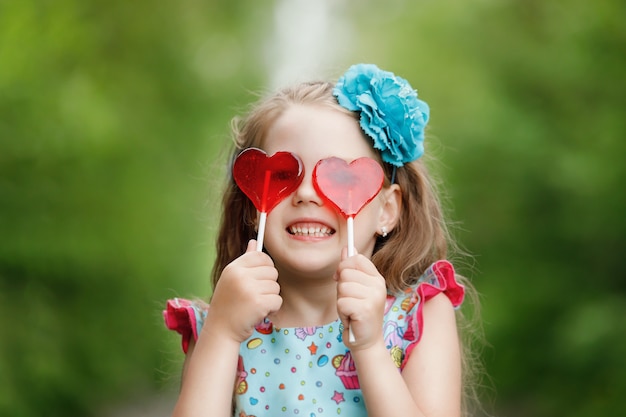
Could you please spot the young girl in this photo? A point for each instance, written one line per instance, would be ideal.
(274, 341)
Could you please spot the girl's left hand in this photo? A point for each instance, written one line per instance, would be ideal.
(361, 296)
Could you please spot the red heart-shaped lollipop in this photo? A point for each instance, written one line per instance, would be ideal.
(267, 180)
(348, 187)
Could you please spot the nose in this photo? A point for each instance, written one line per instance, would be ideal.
(306, 193)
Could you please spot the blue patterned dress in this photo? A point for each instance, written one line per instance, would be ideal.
(308, 371)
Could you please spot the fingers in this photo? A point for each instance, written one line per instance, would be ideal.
(361, 295)
(272, 304)
(356, 286)
(246, 292)
(357, 277)
(266, 286)
(357, 262)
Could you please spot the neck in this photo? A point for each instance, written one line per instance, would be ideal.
(306, 302)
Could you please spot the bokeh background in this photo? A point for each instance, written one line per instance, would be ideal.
(114, 118)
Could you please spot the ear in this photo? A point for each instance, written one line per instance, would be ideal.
(391, 208)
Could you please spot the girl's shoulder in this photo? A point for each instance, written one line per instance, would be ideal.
(404, 320)
(438, 278)
(185, 317)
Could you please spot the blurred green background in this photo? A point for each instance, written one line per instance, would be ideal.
(113, 124)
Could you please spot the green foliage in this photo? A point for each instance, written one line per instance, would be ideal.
(109, 115)
(528, 117)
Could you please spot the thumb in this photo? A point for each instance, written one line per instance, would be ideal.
(251, 246)
(344, 253)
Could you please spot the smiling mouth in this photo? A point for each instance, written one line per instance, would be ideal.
(312, 230)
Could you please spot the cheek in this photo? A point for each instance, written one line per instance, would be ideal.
(365, 236)
(273, 218)
(366, 222)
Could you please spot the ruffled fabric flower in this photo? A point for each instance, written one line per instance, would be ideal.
(391, 113)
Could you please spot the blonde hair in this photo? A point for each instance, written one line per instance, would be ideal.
(420, 238)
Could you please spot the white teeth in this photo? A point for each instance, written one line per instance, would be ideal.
(315, 231)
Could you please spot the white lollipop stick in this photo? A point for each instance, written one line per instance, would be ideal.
(351, 337)
(261, 233)
(263, 216)
(350, 236)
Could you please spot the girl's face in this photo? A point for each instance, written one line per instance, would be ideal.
(304, 234)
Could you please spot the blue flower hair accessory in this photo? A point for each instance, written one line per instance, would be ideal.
(391, 113)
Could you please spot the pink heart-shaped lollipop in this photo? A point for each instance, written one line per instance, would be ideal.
(348, 187)
(267, 180)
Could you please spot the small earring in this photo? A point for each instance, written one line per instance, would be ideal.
(383, 231)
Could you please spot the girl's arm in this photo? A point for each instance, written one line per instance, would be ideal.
(430, 384)
(209, 376)
(246, 292)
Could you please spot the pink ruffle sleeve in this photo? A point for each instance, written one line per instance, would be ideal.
(184, 317)
(438, 278)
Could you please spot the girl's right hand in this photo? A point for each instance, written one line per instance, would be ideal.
(245, 294)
